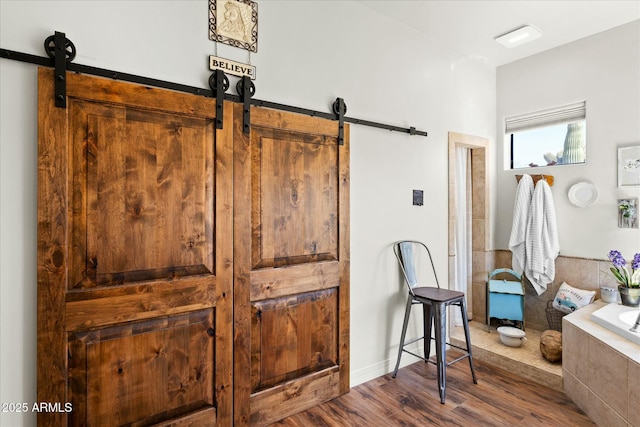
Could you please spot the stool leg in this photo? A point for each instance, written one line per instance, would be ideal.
(441, 348)
(467, 336)
(427, 322)
(407, 313)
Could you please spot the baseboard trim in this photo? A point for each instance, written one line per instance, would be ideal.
(384, 367)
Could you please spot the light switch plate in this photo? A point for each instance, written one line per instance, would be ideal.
(418, 197)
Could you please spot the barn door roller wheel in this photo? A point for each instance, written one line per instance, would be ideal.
(214, 85)
(339, 107)
(69, 48)
(240, 87)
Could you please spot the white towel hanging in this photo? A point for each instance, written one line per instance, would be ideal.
(541, 244)
(521, 209)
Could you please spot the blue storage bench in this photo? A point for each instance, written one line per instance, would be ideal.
(505, 298)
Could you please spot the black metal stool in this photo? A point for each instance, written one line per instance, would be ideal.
(434, 303)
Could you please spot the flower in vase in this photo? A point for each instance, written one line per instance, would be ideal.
(629, 279)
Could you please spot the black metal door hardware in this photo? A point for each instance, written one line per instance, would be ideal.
(61, 52)
(219, 84)
(246, 89)
(340, 109)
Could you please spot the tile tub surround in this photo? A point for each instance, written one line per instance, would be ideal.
(601, 370)
(581, 273)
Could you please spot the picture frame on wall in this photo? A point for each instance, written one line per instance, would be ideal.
(234, 22)
(629, 166)
(628, 213)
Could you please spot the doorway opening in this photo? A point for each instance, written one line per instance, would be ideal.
(469, 257)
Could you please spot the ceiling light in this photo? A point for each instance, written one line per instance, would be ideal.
(519, 36)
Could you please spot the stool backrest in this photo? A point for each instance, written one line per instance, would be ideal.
(412, 255)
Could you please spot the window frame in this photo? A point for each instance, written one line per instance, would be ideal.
(569, 113)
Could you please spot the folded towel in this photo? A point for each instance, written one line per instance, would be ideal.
(520, 219)
(542, 246)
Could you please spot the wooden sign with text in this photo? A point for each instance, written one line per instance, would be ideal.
(231, 67)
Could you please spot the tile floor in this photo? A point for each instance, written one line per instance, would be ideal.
(527, 361)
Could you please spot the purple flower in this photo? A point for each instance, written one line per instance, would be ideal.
(616, 258)
(636, 262)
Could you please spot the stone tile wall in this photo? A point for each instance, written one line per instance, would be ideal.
(581, 273)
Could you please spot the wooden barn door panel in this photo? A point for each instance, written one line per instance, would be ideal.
(291, 254)
(134, 256)
(128, 364)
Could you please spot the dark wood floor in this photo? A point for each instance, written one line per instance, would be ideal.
(500, 398)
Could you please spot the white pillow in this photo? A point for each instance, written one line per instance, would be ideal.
(569, 299)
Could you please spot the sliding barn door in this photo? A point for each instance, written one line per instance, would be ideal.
(135, 266)
(291, 265)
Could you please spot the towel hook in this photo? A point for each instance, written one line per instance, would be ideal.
(536, 178)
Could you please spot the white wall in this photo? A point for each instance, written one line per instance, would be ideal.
(309, 53)
(604, 70)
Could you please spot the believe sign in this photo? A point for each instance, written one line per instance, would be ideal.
(231, 67)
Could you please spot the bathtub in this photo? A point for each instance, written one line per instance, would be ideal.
(618, 319)
(600, 367)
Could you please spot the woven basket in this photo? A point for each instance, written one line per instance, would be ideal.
(554, 317)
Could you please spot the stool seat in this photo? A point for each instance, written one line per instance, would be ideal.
(434, 301)
(436, 294)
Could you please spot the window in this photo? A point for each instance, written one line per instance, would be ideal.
(550, 137)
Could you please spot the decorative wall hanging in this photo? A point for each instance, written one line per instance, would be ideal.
(583, 194)
(234, 22)
(628, 213)
(628, 166)
(232, 67)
